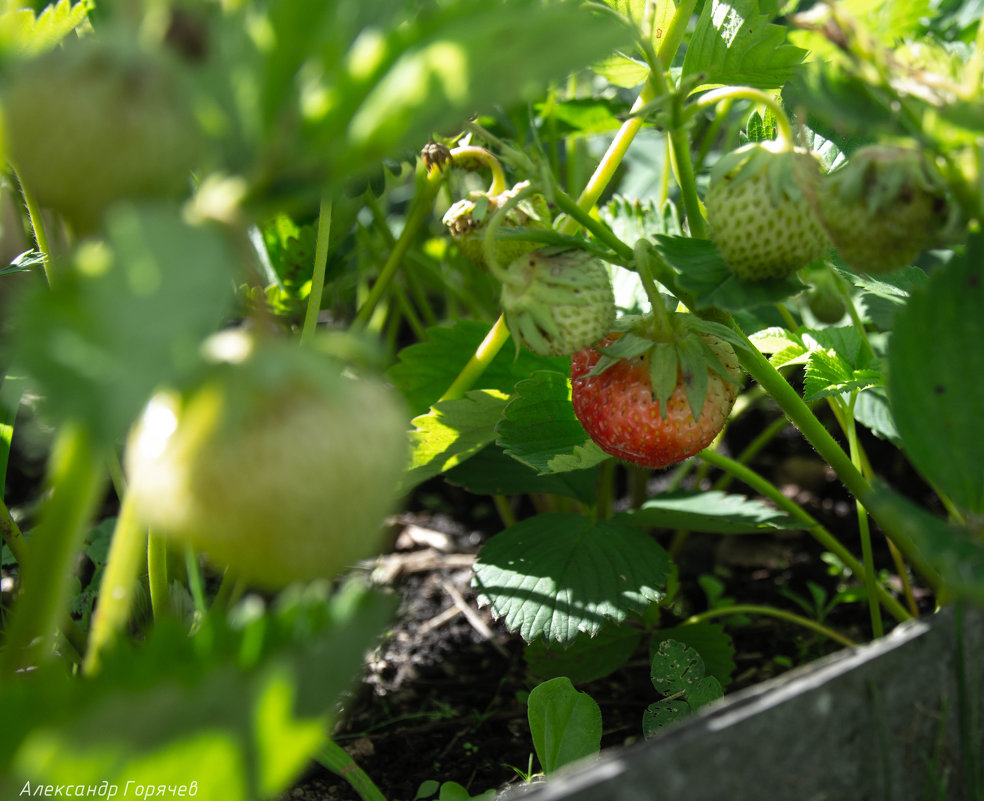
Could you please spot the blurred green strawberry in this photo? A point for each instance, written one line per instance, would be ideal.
(95, 121)
(274, 464)
(757, 215)
(882, 208)
(557, 303)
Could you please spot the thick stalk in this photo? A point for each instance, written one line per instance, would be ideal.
(126, 555)
(77, 479)
(481, 359)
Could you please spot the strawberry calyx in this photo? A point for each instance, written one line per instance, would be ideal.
(789, 170)
(467, 221)
(678, 354)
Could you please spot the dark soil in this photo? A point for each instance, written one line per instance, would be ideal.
(443, 696)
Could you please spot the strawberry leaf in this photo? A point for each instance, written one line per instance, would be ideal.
(587, 658)
(734, 43)
(702, 272)
(712, 512)
(451, 432)
(254, 689)
(710, 641)
(555, 575)
(88, 342)
(539, 428)
(936, 377)
(426, 369)
(958, 554)
(828, 374)
(492, 472)
(26, 32)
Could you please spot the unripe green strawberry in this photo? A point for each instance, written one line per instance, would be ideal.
(557, 303)
(881, 209)
(757, 215)
(654, 403)
(824, 298)
(95, 121)
(467, 221)
(275, 464)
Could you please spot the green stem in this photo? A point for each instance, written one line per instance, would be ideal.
(11, 391)
(37, 226)
(126, 555)
(680, 148)
(791, 617)
(195, 583)
(318, 274)
(801, 416)
(609, 163)
(596, 228)
(157, 578)
(731, 93)
(427, 189)
(870, 579)
(338, 761)
(812, 527)
(77, 479)
(483, 356)
(486, 159)
(10, 534)
(605, 490)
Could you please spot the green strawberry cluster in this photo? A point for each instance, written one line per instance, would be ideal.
(771, 210)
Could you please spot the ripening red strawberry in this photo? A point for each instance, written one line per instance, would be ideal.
(623, 413)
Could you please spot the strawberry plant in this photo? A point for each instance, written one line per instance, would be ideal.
(264, 261)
